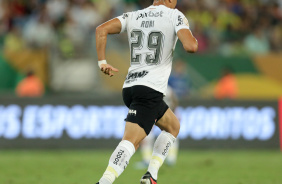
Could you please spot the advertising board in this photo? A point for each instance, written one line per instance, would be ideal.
(85, 123)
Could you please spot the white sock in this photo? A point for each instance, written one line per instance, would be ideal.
(146, 148)
(118, 162)
(161, 149)
(172, 154)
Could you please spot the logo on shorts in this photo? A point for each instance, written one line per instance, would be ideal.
(131, 112)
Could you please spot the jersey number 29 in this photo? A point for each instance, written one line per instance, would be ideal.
(154, 43)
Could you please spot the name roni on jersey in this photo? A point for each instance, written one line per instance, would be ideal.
(147, 24)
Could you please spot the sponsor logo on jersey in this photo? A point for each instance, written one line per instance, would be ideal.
(131, 112)
(125, 15)
(150, 14)
(134, 76)
(180, 20)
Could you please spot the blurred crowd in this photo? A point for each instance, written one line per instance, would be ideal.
(221, 26)
(45, 23)
(236, 26)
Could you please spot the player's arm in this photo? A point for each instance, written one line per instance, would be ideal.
(182, 29)
(189, 42)
(111, 27)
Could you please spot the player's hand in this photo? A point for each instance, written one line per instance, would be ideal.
(108, 69)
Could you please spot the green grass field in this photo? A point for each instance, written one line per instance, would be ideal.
(193, 167)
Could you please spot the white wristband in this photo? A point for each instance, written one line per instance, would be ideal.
(101, 62)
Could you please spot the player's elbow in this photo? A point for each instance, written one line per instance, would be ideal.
(191, 47)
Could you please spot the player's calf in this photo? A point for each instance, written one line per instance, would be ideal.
(169, 123)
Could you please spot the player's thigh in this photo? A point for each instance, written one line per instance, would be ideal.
(169, 123)
(134, 133)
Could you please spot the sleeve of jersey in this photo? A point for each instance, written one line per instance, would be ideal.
(123, 19)
(180, 22)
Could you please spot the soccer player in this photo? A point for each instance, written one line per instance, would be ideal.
(152, 34)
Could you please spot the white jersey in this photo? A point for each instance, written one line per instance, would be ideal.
(152, 35)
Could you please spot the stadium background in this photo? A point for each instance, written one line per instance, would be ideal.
(71, 120)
